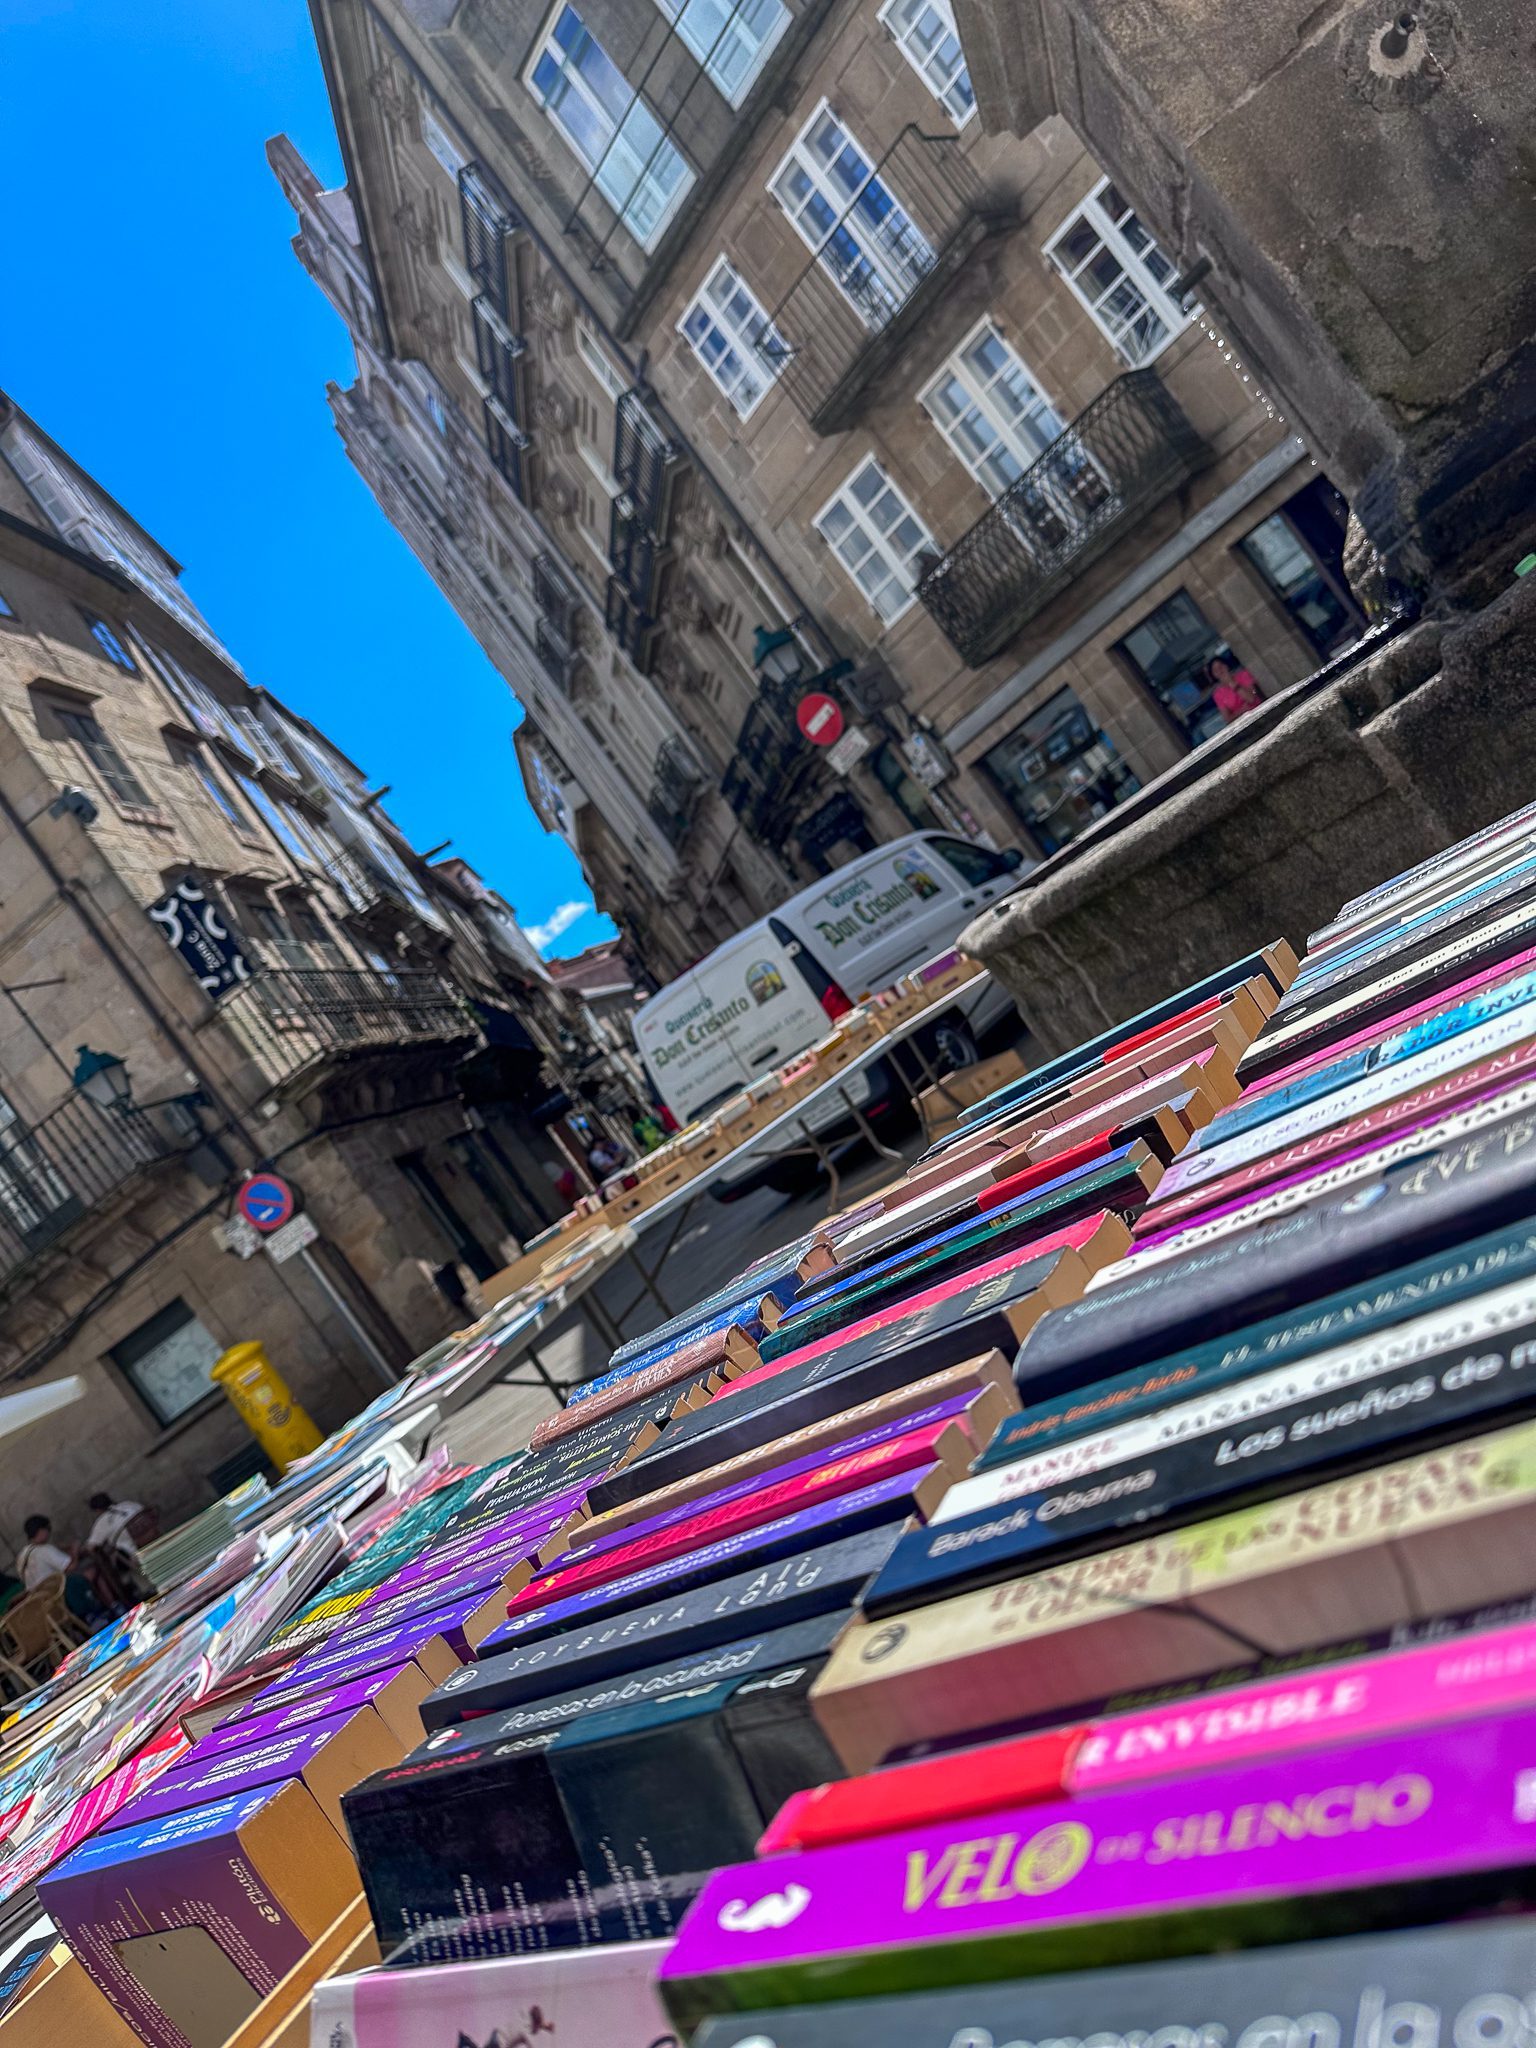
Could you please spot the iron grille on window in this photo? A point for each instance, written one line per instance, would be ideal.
(1120, 456)
(487, 221)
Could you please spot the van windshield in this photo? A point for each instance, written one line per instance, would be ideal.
(973, 864)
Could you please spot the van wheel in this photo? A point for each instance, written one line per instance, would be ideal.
(955, 1046)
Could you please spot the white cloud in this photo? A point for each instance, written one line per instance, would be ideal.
(558, 922)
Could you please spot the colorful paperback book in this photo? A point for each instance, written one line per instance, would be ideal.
(1261, 1852)
(1151, 1308)
(1471, 1269)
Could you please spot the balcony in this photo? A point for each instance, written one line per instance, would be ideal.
(647, 463)
(64, 1169)
(879, 273)
(487, 219)
(499, 353)
(292, 1021)
(1123, 454)
(557, 602)
(632, 627)
(508, 446)
(676, 788)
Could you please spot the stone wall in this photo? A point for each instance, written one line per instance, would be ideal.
(1429, 740)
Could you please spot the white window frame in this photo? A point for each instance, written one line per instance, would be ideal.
(738, 336)
(981, 398)
(902, 32)
(1155, 294)
(705, 45)
(860, 522)
(602, 370)
(623, 203)
(440, 144)
(894, 283)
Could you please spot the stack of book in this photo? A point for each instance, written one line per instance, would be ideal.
(1082, 1591)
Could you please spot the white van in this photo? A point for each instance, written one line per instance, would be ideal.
(770, 991)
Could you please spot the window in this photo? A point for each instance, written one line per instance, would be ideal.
(169, 1360)
(437, 412)
(1120, 274)
(1170, 651)
(849, 216)
(190, 758)
(1299, 554)
(103, 756)
(991, 411)
(311, 932)
(611, 129)
(730, 38)
(111, 646)
(975, 865)
(730, 334)
(441, 144)
(276, 817)
(5, 610)
(926, 36)
(1059, 772)
(877, 537)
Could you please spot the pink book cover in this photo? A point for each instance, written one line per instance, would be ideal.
(1374, 1696)
(577, 1998)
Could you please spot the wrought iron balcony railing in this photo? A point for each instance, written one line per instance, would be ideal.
(487, 219)
(499, 353)
(632, 627)
(676, 789)
(557, 602)
(647, 463)
(293, 1020)
(64, 1168)
(508, 446)
(1123, 453)
(556, 658)
(882, 266)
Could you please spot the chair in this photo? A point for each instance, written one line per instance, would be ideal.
(29, 1644)
(68, 1628)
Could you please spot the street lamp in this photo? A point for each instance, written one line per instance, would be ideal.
(102, 1078)
(777, 656)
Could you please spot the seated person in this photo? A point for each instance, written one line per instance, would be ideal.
(41, 1559)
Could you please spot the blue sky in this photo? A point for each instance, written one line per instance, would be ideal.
(157, 324)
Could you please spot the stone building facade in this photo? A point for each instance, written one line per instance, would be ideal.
(768, 337)
(200, 894)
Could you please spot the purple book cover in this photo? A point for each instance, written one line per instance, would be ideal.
(812, 1461)
(443, 1618)
(526, 1526)
(185, 1872)
(714, 1560)
(1369, 1814)
(310, 1706)
(201, 1779)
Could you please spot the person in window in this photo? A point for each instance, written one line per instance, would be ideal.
(1234, 691)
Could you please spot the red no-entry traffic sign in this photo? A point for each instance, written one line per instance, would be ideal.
(820, 718)
(266, 1201)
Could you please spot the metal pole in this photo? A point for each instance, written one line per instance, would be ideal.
(344, 1309)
